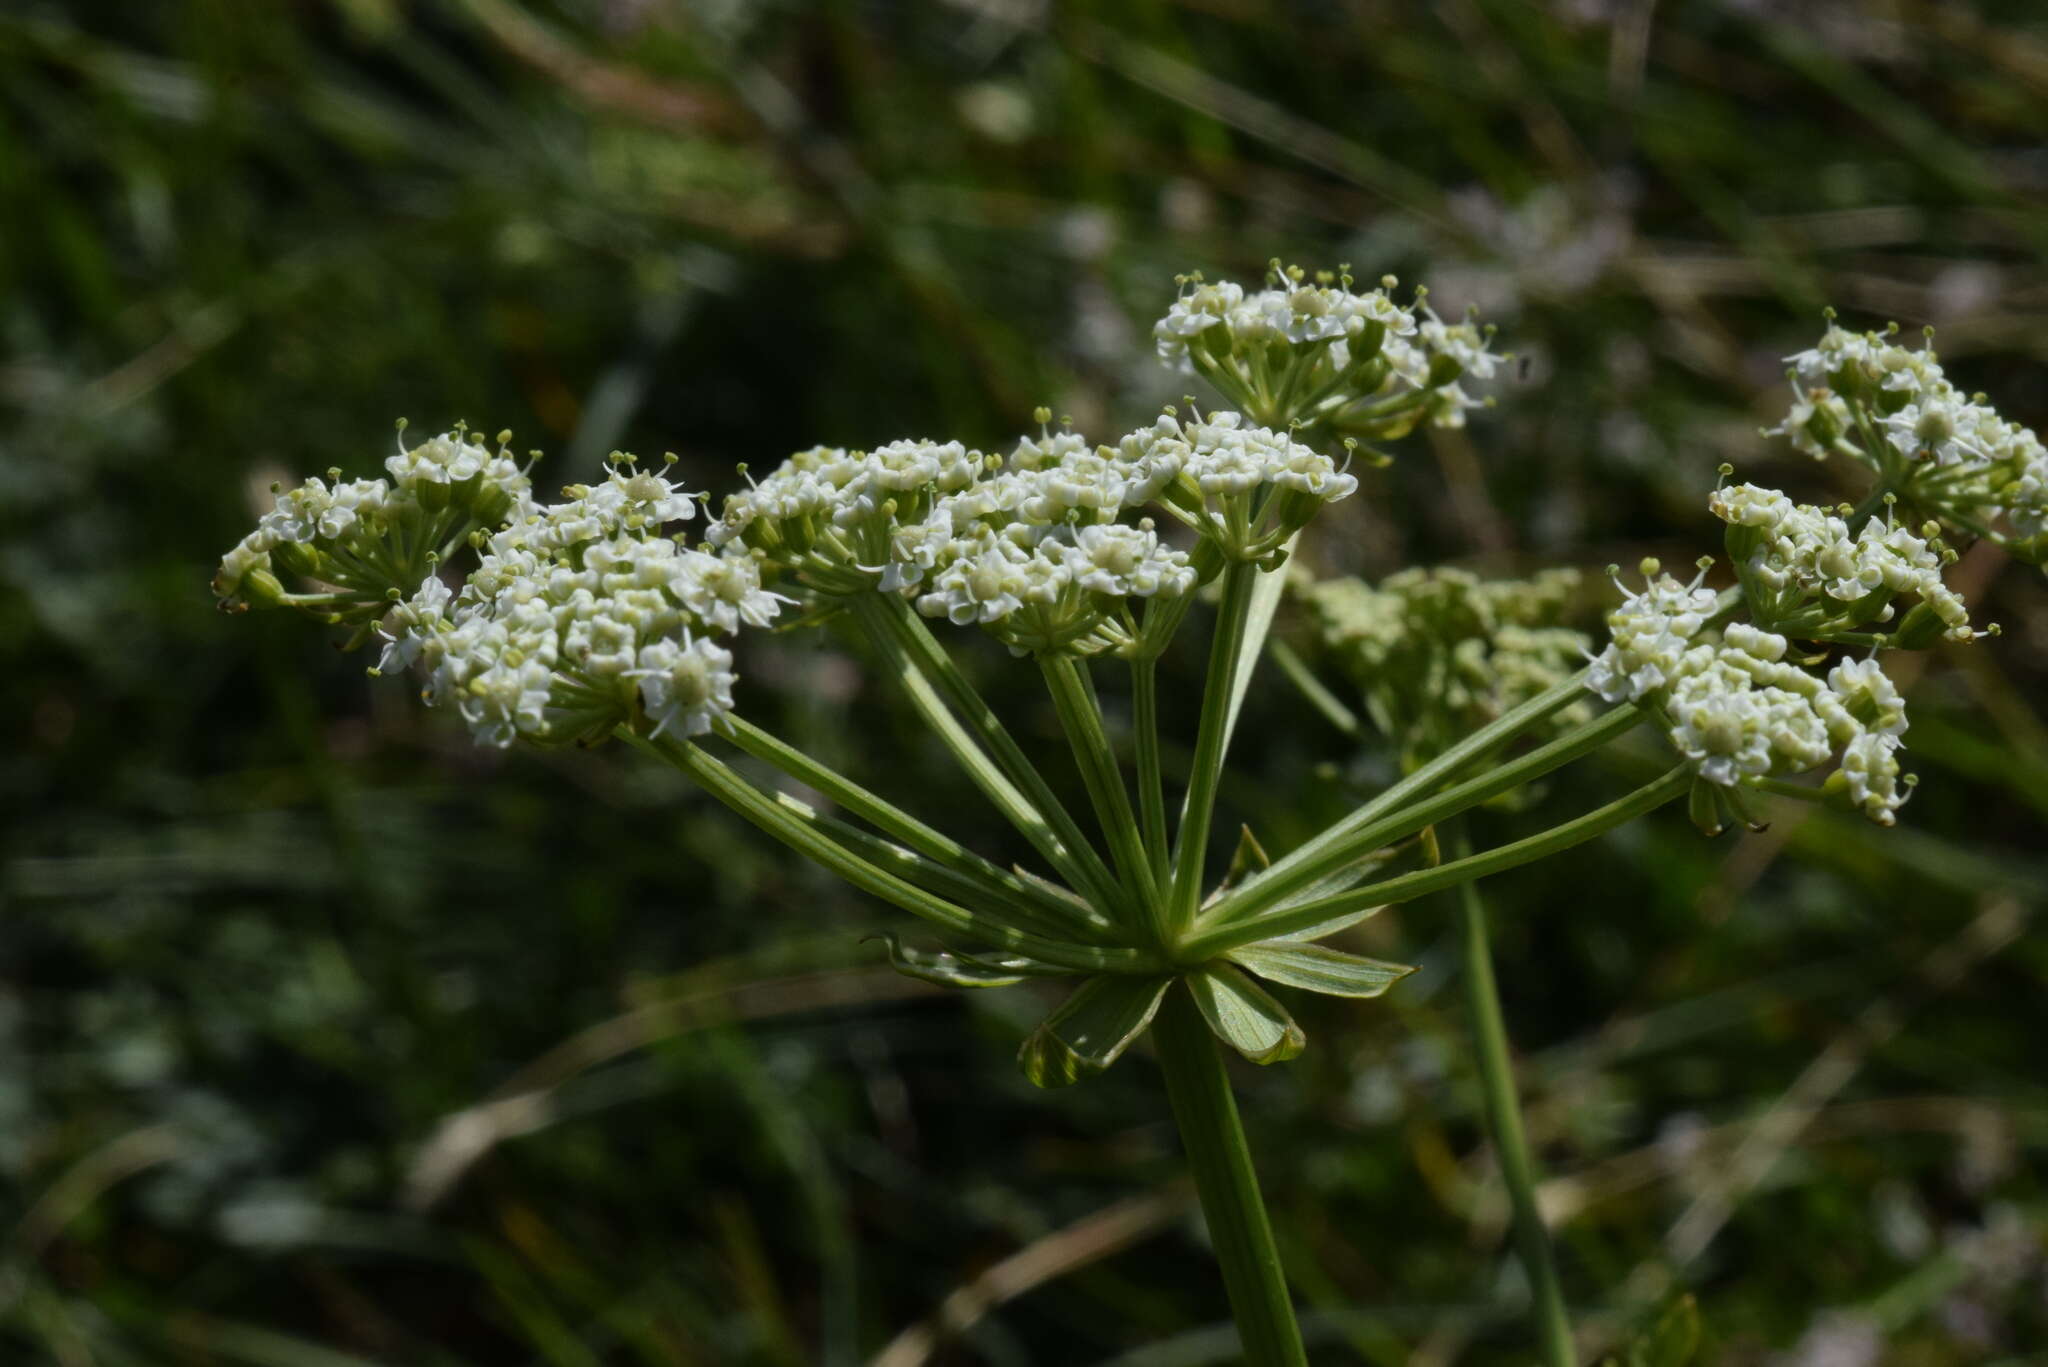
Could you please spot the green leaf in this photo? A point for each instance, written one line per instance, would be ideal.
(948, 969)
(1091, 1029)
(1318, 968)
(1245, 1016)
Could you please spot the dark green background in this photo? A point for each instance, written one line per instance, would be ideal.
(267, 929)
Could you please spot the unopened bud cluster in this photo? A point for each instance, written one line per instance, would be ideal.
(1438, 653)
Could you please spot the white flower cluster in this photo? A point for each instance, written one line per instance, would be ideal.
(341, 532)
(1862, 394)
(450, 469)
(1039, 548)
(1294, 314)
(1437, 653)
(1804, 572)
(316, 512)
(1739, 708)
(831, 514)
(1042, 588)
(581, 614)
(1249, 488)
(1318, 348)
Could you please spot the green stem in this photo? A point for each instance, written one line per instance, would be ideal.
(1868, 507)
(924, 669)
(1151, 786)
(1488, 738)
(1191, 842)
(1407, 887)
(997, 883)
(1206, 1114)
(1081, 718)
(1276, 883)
(890, 857)
(1319, 697)
(802, 832)
(1763, 783)
(1504, 1118)
(1163, 616)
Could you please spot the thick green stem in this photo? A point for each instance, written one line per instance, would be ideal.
(1276, 883)
(1191, 842)
(1081, 718)
(1208, 944)
(1239, 1231)
(1504, 1119)
(1151, 786)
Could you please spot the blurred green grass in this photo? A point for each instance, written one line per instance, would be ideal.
(275, 943)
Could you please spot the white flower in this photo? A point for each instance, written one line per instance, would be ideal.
(982, 579)
(1754, 644)
(1462, 343)
(1816, 420)
(1936, 449)
(1650, 632)
(447, 459)
(411, 623)
(1050, 449)
(1198, 308)
(450, 468)
(247, 557)
(313, 512)
(1867, 693)
(1150, 457)
(1084, 481)
(1939, 426)
(1751, 505)
(1227, 457)
(686, 685)
(724, 591)
(1728, 730)
(1870, 766)
(1745, 707)
(1128, 562)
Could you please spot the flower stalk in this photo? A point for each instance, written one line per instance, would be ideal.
(1504, 1121)
(1206, 1114)
(1307, 915)
(1226, 650)
(1080, 717)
